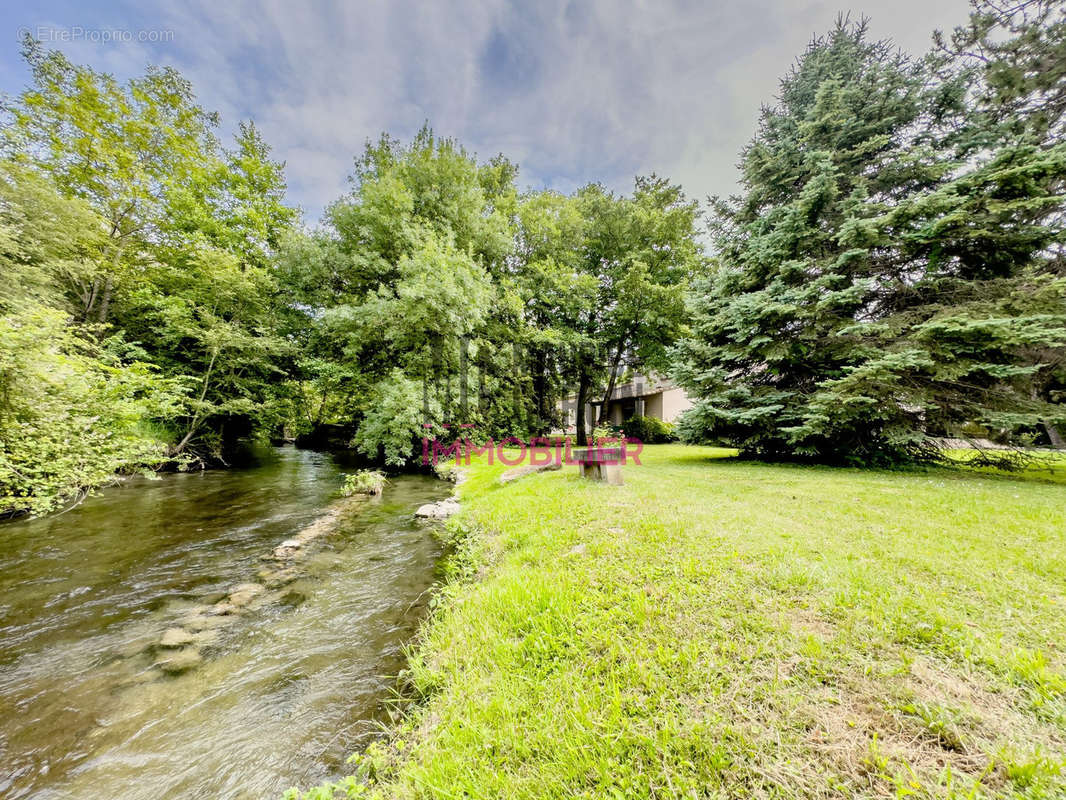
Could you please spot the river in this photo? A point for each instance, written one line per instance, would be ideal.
(275, 689)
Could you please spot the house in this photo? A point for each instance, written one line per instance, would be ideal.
(647, 396)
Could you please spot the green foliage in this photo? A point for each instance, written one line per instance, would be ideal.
(892, 271)
(122, 148)
(649, 430)
(50, 245)
(1037, 774)
(889, 273)
(348, 787)
(447, 471)
(436, 270)
(602, 432)
(73, 412)
(207, 319)
(366, 481)
(943, 724)
(141, 321)
(640, 253)
(408, 267)
(393, 424)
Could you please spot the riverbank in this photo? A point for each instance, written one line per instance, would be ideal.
(719, 628)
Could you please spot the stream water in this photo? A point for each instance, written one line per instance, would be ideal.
(272, 689)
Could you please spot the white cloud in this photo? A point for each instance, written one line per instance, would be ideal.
(572, 91)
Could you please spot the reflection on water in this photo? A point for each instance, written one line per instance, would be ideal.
(285, 689)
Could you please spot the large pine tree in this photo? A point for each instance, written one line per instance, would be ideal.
(881, 279)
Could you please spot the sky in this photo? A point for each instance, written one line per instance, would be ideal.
(573, 92)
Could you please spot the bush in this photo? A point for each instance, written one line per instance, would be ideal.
(649, 430)
(72, 413)
(366, 481)
(601, 432)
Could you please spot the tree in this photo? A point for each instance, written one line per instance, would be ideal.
(1013, 54)
(120, 148)
(556, 295)
(405, 284)
(50, 245)
(167, 239)
(603, 280)
(877, 283)
(644, 252)
(775, 318)
(394, 420)
(73, 403)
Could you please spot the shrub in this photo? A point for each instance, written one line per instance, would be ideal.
(608, 431)
(366, 481)
(72, 412)
(649, 430)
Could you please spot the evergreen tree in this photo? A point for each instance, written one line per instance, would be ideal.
(776, 318)
(877, 281)
(1013, 59)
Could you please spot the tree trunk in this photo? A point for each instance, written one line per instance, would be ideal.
(482, 396)
(105, 301)
(464, 407)
(1053, 433)
(582, 398)
(612, 378)
(90, 301)
(517, 404)
(1055, 436)
(195, 424)
(540, 392)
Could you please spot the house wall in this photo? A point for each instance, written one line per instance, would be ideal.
(666, 405)
(653, 405)
(674, 401)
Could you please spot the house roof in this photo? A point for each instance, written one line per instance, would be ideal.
(641, 386)
(638, 386)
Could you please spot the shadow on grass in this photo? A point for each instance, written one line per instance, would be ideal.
(1047, 468)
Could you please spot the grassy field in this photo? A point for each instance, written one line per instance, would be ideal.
(717, 628)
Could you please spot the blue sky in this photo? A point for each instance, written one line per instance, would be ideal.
(571, 91)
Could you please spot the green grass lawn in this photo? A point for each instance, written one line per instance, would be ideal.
(717, 628)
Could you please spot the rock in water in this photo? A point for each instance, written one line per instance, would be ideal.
(207, 637)
(176, 637)
(203, 620)
(242, 595)
(283, 553)
(275, 579)
(181, 661)
(223, 608)
(439, 510)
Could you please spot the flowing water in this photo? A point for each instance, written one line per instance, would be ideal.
(275, 688)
